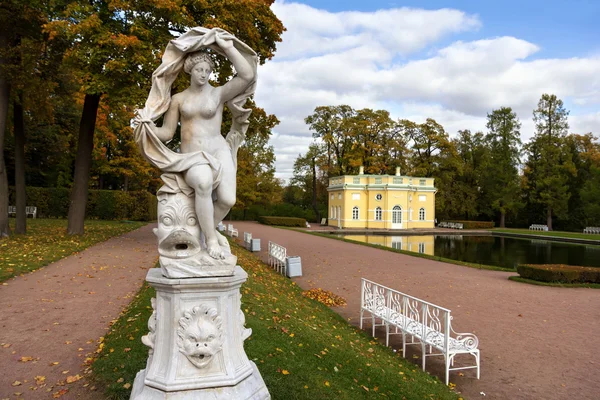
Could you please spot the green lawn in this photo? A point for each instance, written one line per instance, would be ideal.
(303, 349)
(47, 241)
(573, 235)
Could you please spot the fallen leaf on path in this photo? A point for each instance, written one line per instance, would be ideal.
(72, 379)
(58, 394)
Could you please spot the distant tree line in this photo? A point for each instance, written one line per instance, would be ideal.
(552, 179)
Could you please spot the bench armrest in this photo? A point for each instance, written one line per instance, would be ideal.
(468, 340)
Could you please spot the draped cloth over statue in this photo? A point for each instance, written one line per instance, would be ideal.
(159, 100)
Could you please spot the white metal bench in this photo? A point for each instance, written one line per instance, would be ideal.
(29, 210)
(231, 231)
(592, 230)
(277, 257)
(323, 221)
(538, 227)
(430, 325)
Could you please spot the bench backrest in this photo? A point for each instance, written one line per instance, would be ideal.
(247, 237)
(277, 252)
(431, 320)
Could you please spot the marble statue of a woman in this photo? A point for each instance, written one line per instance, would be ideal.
(200, 181)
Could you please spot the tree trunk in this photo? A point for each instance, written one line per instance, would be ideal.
(83, 163)
(314, 191)
(502, 219)
(21, 195)
(4, 98)
(549, 218)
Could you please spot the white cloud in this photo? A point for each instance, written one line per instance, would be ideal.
(585, 123)
(312, 31)
(363, 59)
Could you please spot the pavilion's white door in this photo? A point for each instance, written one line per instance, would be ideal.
(397, 217)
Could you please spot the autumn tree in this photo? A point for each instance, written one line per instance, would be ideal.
(500, 183)
(20, 33)
(468, 167)
(310, 178)
(114, 51)
(549, 161)
(377, 143)
(256, 181)
(332, 125)
(584, 203)
(427, 142)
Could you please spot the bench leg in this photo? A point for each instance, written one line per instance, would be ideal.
(373, 324)
(403, 344)
(387, 334)
(477, 361)
(424, 354)
(447, 366)
(361, 318)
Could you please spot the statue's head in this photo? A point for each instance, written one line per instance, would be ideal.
(197, 57)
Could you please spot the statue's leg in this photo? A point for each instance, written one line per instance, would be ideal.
(200, 178)
(226, 191)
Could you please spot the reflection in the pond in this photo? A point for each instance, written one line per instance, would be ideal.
(418, 244)
(491, 250)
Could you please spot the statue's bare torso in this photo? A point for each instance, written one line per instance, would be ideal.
(201, 115)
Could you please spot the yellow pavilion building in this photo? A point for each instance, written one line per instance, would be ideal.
(381, 201)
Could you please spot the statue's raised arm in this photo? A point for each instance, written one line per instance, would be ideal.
(200, 181)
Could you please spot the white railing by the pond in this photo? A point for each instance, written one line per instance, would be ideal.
(277, 257)
(538, 227)
(451, 225)
(430, 325)
(592, 230)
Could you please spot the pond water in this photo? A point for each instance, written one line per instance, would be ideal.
(490, 250)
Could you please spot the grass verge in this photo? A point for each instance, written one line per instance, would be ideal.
(303, 349)
(555, 284)
(560, 234)
(47, 241)
(408, 253)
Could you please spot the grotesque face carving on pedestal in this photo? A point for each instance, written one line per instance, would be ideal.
(178, 231)
(199, 335)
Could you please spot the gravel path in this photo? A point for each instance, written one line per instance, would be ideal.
(536, 342)
(52, 318)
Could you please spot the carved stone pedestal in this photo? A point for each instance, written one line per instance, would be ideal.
(196, 342)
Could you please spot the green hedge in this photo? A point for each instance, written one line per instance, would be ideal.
(559, 273)
(476, 224)
(254, 212)
(282, 221)
(102, 204)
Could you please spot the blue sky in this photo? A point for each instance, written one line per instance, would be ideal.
(560, 28)
(451, 61)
